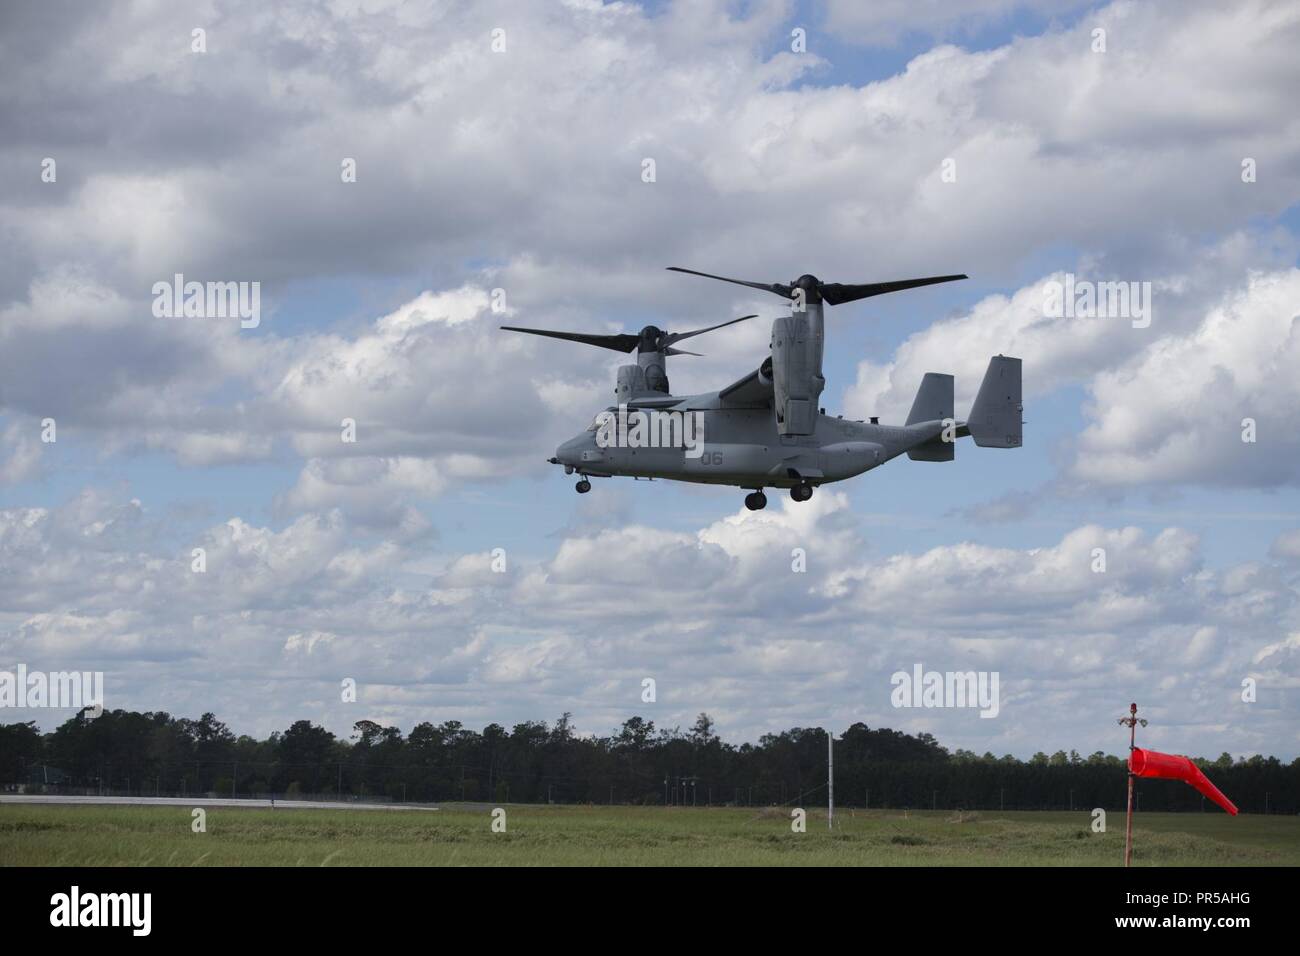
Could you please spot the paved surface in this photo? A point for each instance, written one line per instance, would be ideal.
(207, 802)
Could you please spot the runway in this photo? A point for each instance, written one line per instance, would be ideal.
(251, 803)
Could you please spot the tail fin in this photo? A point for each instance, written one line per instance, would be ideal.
(933, 400)
(995, 417)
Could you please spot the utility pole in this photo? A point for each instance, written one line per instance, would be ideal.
(830, 780)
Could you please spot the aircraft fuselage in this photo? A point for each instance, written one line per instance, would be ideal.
(742, 446)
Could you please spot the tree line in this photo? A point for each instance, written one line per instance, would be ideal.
(125, 752)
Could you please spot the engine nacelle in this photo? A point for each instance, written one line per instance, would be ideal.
(797, 380)
(631, 382)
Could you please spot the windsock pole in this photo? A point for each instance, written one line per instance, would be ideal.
(1132, 720)
(1128, 825)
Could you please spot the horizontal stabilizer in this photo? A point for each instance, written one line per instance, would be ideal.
(936, 449)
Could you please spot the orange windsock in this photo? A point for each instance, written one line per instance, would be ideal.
(1152, 763)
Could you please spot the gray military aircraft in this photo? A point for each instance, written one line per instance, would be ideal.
(766, 430)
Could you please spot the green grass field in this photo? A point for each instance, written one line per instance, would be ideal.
(625, 836)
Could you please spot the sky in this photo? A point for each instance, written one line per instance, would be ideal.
(443, 566)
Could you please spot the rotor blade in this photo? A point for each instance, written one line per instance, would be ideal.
(672, 337)
(779, 289)
(622, 342)
(671, 351)
(835, 293)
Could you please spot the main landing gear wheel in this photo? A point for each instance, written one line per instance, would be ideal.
(801, 492)
(756, 501)
(583, 486)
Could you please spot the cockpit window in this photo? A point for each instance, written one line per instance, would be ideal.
(600, 419)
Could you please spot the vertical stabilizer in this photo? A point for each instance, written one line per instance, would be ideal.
(995, 418)
(933, 400)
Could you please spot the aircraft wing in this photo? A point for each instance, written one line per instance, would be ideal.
(755, 389)
(655, 400)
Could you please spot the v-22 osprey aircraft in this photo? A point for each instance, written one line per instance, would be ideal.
(766, 430)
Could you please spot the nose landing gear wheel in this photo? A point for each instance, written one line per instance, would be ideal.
(801, 492)
(583, 486)
(756, 501)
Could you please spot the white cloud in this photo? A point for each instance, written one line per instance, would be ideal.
(717, 616)
(1168, 403)
(1178, 411)
(22, 456)
(1054, 144)
(1286, 545)
(522, 171)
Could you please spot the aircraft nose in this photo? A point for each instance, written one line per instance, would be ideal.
(580, 454)
(570, 452)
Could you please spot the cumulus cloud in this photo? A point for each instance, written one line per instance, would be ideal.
(1215, 405)
(22, 452)
(1170, 402)
(572, 234)
(1287, 545)
(522, 171)
(721, 618)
